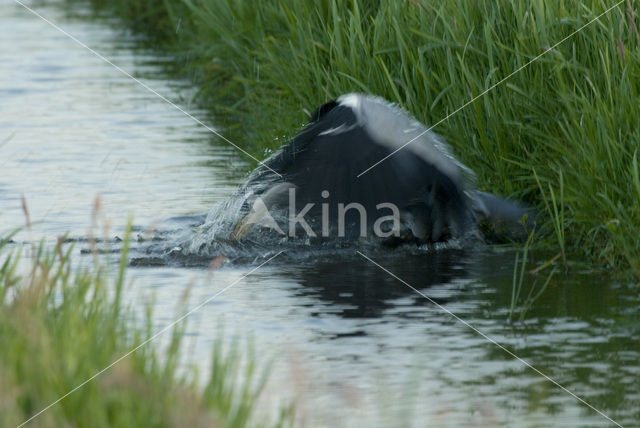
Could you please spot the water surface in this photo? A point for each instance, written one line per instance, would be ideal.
(354, 345)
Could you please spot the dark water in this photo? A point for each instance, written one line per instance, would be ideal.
(354, 345)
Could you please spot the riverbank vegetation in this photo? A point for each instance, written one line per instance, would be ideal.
(560, 133)
(61, 325)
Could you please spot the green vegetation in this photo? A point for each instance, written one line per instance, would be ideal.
(519, 269)
(58, 328)
(561, 134)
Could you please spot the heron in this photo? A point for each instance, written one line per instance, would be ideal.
(364, 168)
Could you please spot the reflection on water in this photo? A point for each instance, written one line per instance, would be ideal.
(353, 345)
(78, 127)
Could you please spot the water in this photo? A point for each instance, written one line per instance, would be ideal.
(354, 345)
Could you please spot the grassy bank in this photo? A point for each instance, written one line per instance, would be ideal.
(561, 134)
(59, 326)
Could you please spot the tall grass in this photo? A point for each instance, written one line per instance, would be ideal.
(518, 304)
(261, 65)
(59, 326)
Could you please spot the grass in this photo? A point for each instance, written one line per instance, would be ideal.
(60, 325)
(519, 306)
(561, 134)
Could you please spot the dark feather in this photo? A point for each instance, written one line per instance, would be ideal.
(339, 144)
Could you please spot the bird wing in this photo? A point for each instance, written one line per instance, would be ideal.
(328, 155)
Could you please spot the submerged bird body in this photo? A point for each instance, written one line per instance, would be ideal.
(329, 180)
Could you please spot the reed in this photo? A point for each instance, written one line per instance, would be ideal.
(61, 324)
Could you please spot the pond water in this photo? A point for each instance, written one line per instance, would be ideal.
(354, 345)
